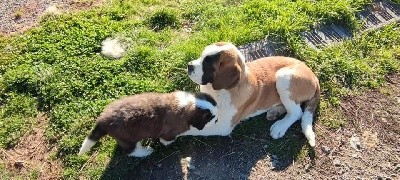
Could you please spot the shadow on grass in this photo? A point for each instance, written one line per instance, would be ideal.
(215, 157)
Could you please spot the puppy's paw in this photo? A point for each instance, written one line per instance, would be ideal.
(278, 129)
(165, 142)
(141, 151)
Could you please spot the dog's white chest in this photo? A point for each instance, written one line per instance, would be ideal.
(225, 113)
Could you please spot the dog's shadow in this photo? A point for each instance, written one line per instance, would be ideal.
(214, 157)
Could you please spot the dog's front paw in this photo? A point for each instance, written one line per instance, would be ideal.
(278, 129)
(141, 151)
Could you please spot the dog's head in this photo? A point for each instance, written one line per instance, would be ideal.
(205, 111)
(220, 64)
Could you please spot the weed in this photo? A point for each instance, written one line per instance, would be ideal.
(18, 14)
(162, 19)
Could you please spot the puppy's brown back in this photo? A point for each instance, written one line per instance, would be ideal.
(137, 117)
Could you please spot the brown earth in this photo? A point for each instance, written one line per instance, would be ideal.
(17, 16)
(32, 155)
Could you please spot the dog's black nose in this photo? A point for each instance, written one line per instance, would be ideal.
(190, 68)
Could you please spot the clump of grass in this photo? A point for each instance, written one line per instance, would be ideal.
(18, 14)
(355, 64)
(17, 116)
(163, 19)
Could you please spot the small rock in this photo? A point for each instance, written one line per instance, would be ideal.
(188, 163)
(52, 10)
(326, 149)
(355, 143)
(370, 139)
(397, 167)
(18, 165)
(188, 30)
(274, 157)
(265, 146)
(336, 162)
(354, 156)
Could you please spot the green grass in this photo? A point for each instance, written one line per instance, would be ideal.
(56, 68)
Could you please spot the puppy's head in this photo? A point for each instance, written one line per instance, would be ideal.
(220, 64)
(204, 112)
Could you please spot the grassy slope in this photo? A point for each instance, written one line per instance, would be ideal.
(57, 69)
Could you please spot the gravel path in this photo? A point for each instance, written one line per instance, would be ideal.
(20, 15)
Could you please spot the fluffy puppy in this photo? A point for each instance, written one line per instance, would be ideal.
(151, 115)
(275, 85)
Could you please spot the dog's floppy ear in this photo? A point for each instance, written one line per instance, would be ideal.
(227, 76)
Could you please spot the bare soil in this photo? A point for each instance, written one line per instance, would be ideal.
(17, 16)
(32, 155)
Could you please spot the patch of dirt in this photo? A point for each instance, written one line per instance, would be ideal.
(367, 148)
(31, 156)
(17, 16)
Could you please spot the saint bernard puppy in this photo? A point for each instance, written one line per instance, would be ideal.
(275, 85)
(151, 115)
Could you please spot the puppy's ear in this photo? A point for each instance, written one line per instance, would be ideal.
(201, 118)
(227, 76)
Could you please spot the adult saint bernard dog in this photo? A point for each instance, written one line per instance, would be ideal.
(275, 85)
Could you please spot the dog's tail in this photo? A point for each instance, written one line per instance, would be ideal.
(91, 140)
(307, 117)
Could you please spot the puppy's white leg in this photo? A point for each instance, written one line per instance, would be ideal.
(141, 151)
(165, 142)
(294, 112)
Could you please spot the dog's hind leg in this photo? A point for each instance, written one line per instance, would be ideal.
(297, 84)
(294, 112)
(140, 151)
(307, 118)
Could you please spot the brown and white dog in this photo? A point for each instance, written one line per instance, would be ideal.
(151, 115)
(275, 85)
